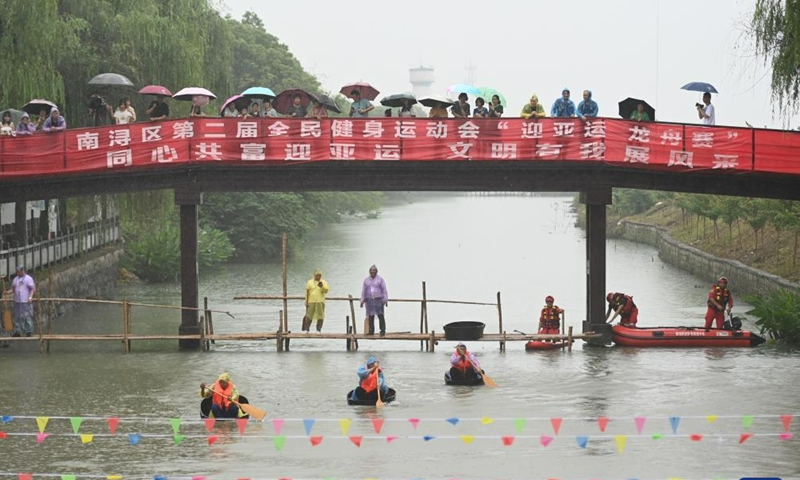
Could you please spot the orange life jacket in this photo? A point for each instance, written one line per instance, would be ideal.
(221, 398)
(371, 382)
(721, 295)
(463, 362)
(626, 301)
(550, 316)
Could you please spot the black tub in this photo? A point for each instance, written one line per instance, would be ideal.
(464, 330)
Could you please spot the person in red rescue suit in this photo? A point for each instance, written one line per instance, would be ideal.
(221, 393)
(719, 298)
(463, 364)
(549, 320)
(623, 306)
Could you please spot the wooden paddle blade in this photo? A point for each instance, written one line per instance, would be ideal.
(7, 323)
(254, 412)
(487, 380)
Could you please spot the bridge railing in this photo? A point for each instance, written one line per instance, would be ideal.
(45, 253)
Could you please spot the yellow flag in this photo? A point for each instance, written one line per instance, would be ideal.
(711, 418)
(345, 425)
(114, 477)
(42, 422)
(486, 420)
(467, 438)
(621, 440)
(86, 438)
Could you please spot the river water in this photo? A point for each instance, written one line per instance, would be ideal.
(465, 248)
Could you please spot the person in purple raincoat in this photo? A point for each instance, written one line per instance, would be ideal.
(375, 296)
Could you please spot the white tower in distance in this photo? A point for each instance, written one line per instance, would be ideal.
(421, 79)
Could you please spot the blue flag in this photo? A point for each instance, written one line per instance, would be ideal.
(309, 424)
(674, 422)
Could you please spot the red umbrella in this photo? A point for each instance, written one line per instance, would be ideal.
(365, 89)
(283, 101)
(156, 90)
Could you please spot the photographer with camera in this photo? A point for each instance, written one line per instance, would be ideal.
(99, 110)
(316, 289)
(706, 112)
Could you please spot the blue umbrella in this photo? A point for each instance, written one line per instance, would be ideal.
(462, 88)
(699, 87)
(261, 93)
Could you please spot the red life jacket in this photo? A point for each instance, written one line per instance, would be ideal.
(371, 382)
(721, 295)
(221, 399)
(626, 301)
(550, 317)
(463, 362)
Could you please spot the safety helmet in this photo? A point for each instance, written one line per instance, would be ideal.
(610, 297)
(722, 279)
(549, 299)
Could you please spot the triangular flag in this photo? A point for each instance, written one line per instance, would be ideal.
(279, 441)
(114, 477)
(711, 418)
(199, 477)
(414, 422)
(391, 438)
(25, 476)
(519, 424)
(176, 425)
(786, 436)
(507, 440)
(486, 421)
(582, 441)
(134, 438)
(744, 437)
(452, 421)
(316, 440)
(556, 423)
(3, 435)
(639, 424)
(67, 477)
(76, 424)
(212, 439)
(178, 439)
(356, 439)
(377, 424)
(41, 436)
(210, 423)
(602, 422)
(86, 438)
(787, 422)
(241, 423)
(747, 420)
(621, 440)
(277, 424)
(344, 424)
(428, 438)
(657, 436)
(42, 422)
(6, 418)
(309, 424)
(695, 437)
(467, 439)
(545, 440)
(112, 424)
(674, 422)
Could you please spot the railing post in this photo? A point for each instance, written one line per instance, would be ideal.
(500, 320)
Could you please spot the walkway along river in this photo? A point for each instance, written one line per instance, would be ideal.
(464, 248)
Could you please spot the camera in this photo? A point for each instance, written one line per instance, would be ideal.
(698, 105)
(320, 284)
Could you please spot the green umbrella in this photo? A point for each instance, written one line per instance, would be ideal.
(487, 92)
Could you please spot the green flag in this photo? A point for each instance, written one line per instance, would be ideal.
(519, 424)
(176, 425)
(279, 441)
(76, 425)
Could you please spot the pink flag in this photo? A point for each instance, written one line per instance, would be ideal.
(356, 439)
(744, 437)
(391, 438)
(377, 424)
(210, 423)
(25, 476)
(546, 439)
(41, 436)
(277, 424)
(787, 422)
(212, 439)
(507, 440)
(639, 423)
(556, 422)
(414, 422)
(242, 424)
(786, 436)
(112, 424)
(603, 423)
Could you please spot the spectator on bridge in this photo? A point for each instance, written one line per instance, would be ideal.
(197, 111)
(361, 106)
(587, 107)
(407, 109)
(268, 111)
(640, 115)
(158, 109)
(461, 107)
(438, 110)
(495, 107)
(533, 109)
(99, 110)
(719, 299)
(316, 289)
(130, 108)
(623, 306)
(7, 126)
(26, 127)
(480, 110)
(23, 287)
(563, 106)
(318, 110)
(123, 115)
(230, 111)
(43, 114)
(255, 110)
(374, 294)
(706, 112)
(55, 122)
(297, 109)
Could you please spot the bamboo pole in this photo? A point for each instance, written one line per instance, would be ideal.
(422, 318)
(279, 337)
(203, 342)
(129, 316)
(209, 320)
(432, 342)
(134, 304)
(569, 340)
(285, 321)
(403, 300)
(49, 306)
(500, 320)
(425, 303)
(353, 316)
(39, 321)
(125, 330)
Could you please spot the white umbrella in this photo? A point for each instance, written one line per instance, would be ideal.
(189, 93)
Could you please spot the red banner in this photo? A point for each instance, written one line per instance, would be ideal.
(283, 140)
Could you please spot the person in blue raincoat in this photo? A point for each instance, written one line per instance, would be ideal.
(367, 377)
(587, 107)
(563, 107)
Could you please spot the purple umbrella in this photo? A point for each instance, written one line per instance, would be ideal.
(156, 90)
(233, 100)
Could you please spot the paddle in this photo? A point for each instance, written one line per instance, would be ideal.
(7, 323)
(486, 378)
(379, 403)
(251, 410)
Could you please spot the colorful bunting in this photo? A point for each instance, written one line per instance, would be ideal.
(277, 424)
(787, 422)
(212, 439)
(428, 438)
(602, 422)
(582, 441)
(356, 440)
(556, 423)
(344, 425)
(41, 436)
(178, 439)
(711, 419)
(507, 440)
(76, 424)
(640, 421)
(134, 438)
(744, 437)
(657, 436)
(176, 425)
(67, 477)
(674, 422)
(414, 422)
(468, 439)
(545, 440)
(391, 438)
(42, 422)
(452, 421)
(114, 477)
(25, 476)
(786, 436)
(695, 437)
(486, 421)
(316, 440)
(199, 477)
(87, 438)
(621, 440)
(3, 435)
(519, 424)
(112, 425)
(309, 424)
(747, 420)
(241, 424)
(377, 424)
(279, 442)
(210, 422)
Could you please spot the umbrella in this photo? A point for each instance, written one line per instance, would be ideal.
(283, 100)
(699, 87)
(365, 89)
(397, 100)
(261, 93)
(628, 106)
(461, 88)
(111, 79)
(487, 92)
(189, 93)
(16, 115)
(37, 104)
(156, 90)
(433, 100)
(327, 102)
(234, 99)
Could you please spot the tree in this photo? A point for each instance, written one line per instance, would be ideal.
(775, 27)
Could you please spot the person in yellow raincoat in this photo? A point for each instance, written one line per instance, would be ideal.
(316, 289)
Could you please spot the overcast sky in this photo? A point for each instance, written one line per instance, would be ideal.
(616, 48)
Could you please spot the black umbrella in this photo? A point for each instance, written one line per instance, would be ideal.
(36, 105)
(111, 79)
(628, 106)
(326, 102)
(397, 100)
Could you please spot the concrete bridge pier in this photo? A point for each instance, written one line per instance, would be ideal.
(189, 202)
(596, 201)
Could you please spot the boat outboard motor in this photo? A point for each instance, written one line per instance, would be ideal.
(732, 323)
